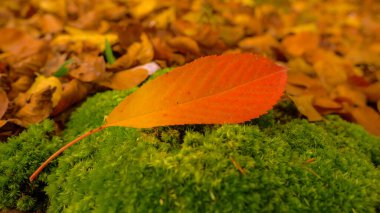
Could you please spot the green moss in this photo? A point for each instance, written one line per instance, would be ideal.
(19, 157)
(289, 166)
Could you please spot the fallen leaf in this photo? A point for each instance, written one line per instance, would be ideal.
(294, 90)
(300, 43)
(37, 108)
(165, 18)
(2, 123)
(300, 79)
(304, 104)
(72, 92)
(3, 102)
(229, 88)
(261, 43)
(330, 74)
(126, 79)
(231, 35)
(368, 118)
(52, 6)
(42, 82)
(91, 69)
(138, 53)
(77, 35)
(50, 24)
(184, 44)
(299, 65)
(346, 93)
(326, 103)
(142, 8)
(19, 43)
(22, 84)
(372, 91)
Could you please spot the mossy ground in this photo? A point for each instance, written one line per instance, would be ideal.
(287, 165)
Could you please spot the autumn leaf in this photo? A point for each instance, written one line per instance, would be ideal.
(42, 82)
(304, 104)
(72, 92)
(368, 118)
(77, 35)
(92, 68)
(3, 102)
(301, 43)
(130, 78)
(37, 108)
(216, 89)
(230, 88)
(19, 43)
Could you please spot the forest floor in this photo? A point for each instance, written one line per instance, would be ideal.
(55, 53)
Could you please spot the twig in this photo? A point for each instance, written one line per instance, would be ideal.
(44, 164)
(238, 167)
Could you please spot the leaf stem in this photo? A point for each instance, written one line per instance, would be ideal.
(56, 154)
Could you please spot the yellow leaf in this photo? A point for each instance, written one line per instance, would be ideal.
(166, 17)
(368, 118)
(52, 6)
(42, 82)
(77, 35)
(299, 65)
(300, 43)
(304, 104)
(330, 74)
(260, 43)
(138, 53)
(344, 92)
(143, 8)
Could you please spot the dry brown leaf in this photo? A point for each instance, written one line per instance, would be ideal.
(91, 69)
(22, 84)
(138, 53)
(19, 43)
(3, 102)
(304, 104)
(53, 63)
(37, 108)
(72, 92)
(165, 18)
(372, 91)
(300, 43)
(299, 65)
(42, 82)
(184, 45)
(294, 90)
(301, 79)
(52, 6)
(345, 93)
(126, 79)
(141, 9)
(2, 123)
(76, 35)
(330, 74)
(128, 33)
(326, 103)
(50, 24)
(162, 50)
(367, 117)
(378, 105)
(231, 35)
(29, 65)
(260, 43)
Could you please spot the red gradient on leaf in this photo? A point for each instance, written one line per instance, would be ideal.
(230, 88)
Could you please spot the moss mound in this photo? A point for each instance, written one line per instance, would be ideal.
(264, 166)
(19, 157)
